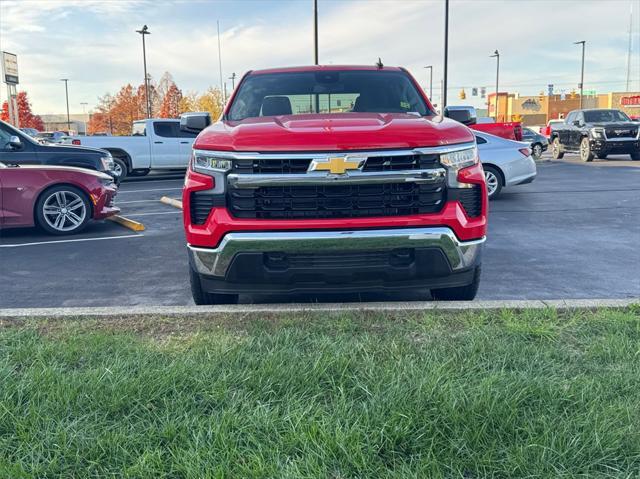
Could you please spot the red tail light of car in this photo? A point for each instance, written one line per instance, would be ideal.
(525, 151)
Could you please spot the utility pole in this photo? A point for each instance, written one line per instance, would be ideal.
(233, 81)
(315, 32)
(583, 42)
(446, 55)
(630, 45)
(145, 31)
(66, 91)
(430, 67)
(224, 97)
(496, 54)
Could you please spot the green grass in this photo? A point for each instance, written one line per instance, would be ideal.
(351, 395)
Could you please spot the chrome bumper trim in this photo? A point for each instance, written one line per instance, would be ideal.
(216, 261)
(433, 175)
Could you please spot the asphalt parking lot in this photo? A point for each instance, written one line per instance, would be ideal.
(571, 234)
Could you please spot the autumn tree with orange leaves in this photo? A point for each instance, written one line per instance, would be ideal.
(171, 103)
(25, 116)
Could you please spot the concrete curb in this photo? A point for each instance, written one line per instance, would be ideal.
(453, 306)
(171, 202)
(127, 223)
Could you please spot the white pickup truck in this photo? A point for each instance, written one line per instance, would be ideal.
(154, 144)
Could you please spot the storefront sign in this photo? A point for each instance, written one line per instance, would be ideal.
(630, 101)
(9, 68)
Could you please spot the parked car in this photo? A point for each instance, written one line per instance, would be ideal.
(467, 115)
(60, 200)
(287, 195)
(546, 130)
(32, 132)
(506, 163)
(600, 133)
(18, 148)
(154, 144)
(537, 142)
(51, 136)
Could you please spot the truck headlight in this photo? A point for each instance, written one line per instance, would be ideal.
(203, 160)
(597, 133)
(460, 159)
(107, 163)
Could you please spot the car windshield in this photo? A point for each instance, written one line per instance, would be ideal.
(602, 116)
(351, 91)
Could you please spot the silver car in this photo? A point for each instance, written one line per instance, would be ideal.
(506, 162)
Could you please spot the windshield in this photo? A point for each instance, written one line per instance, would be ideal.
(601, 116)
(298, 93)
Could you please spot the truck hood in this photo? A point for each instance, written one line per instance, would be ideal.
(619, 124)
(75, 149)
(332, 132)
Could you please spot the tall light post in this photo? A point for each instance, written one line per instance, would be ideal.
(233, 81)
(315, 32)
(145, 31)
(66, 91)
(446, 55)
(496, 54)
(581, 42)
(430, 67)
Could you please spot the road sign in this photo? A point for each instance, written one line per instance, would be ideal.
(9, 68)
(483, 92)
(474, 92)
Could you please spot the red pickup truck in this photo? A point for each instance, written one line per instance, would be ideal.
(511, 130)
(332, 179)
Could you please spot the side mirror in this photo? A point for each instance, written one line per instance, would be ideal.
(464, 114)
(14, 142)
(194, 122)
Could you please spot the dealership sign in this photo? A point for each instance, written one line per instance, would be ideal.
(630, 101)
(9, 68)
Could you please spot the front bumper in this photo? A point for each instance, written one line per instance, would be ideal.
(353, 260)
(611, 146)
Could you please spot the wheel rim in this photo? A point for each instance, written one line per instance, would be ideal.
(64, 210)
(117, 169)
(584, 150)
(492, 182)
(555, 147)
(537, 150)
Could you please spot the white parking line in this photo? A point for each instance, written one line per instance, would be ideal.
(120, 192)
(157, 213)
(69, 241)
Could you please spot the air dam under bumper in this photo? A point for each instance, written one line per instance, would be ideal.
(345, 261)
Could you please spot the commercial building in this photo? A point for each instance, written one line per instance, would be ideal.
(78, 123)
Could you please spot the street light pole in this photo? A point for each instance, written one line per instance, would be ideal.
(582, 42)
(496, 54)
(145, 31)
(315, 31)
(446, 54)
(66, 91)
(233, 81)
(430, 67)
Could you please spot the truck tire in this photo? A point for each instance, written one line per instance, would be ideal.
(635, 156)
(460, 293)
(140, 172)
(493, 177)
(556, 149)
(121, 169)
(585, 150)
(201, 297)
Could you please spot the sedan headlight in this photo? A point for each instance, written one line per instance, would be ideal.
(597, 133)
(107, 163)
(460, 158)
(208, 162)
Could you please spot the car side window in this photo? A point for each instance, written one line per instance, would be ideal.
(571, 118)
(167, 129)
(4, 138)
(139, 129)
(580, 118)
(186, 134)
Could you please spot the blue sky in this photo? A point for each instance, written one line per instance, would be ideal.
(94, 44)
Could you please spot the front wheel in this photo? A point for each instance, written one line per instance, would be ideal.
(460, 293)
(494, 181)
(120, 168)
(200, 297)
(63, 210)
(536, 151)
(556, 149)
(585, 150)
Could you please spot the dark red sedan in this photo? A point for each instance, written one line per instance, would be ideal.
(59, 199)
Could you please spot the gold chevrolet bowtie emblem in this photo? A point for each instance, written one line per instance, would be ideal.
(337, 165)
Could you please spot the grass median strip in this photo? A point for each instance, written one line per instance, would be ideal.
(349, 394)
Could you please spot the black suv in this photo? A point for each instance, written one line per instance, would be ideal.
(16, 147)
(596, 133)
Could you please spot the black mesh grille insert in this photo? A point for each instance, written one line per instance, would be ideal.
(622, 132)
(471, 200)
(336, 201)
